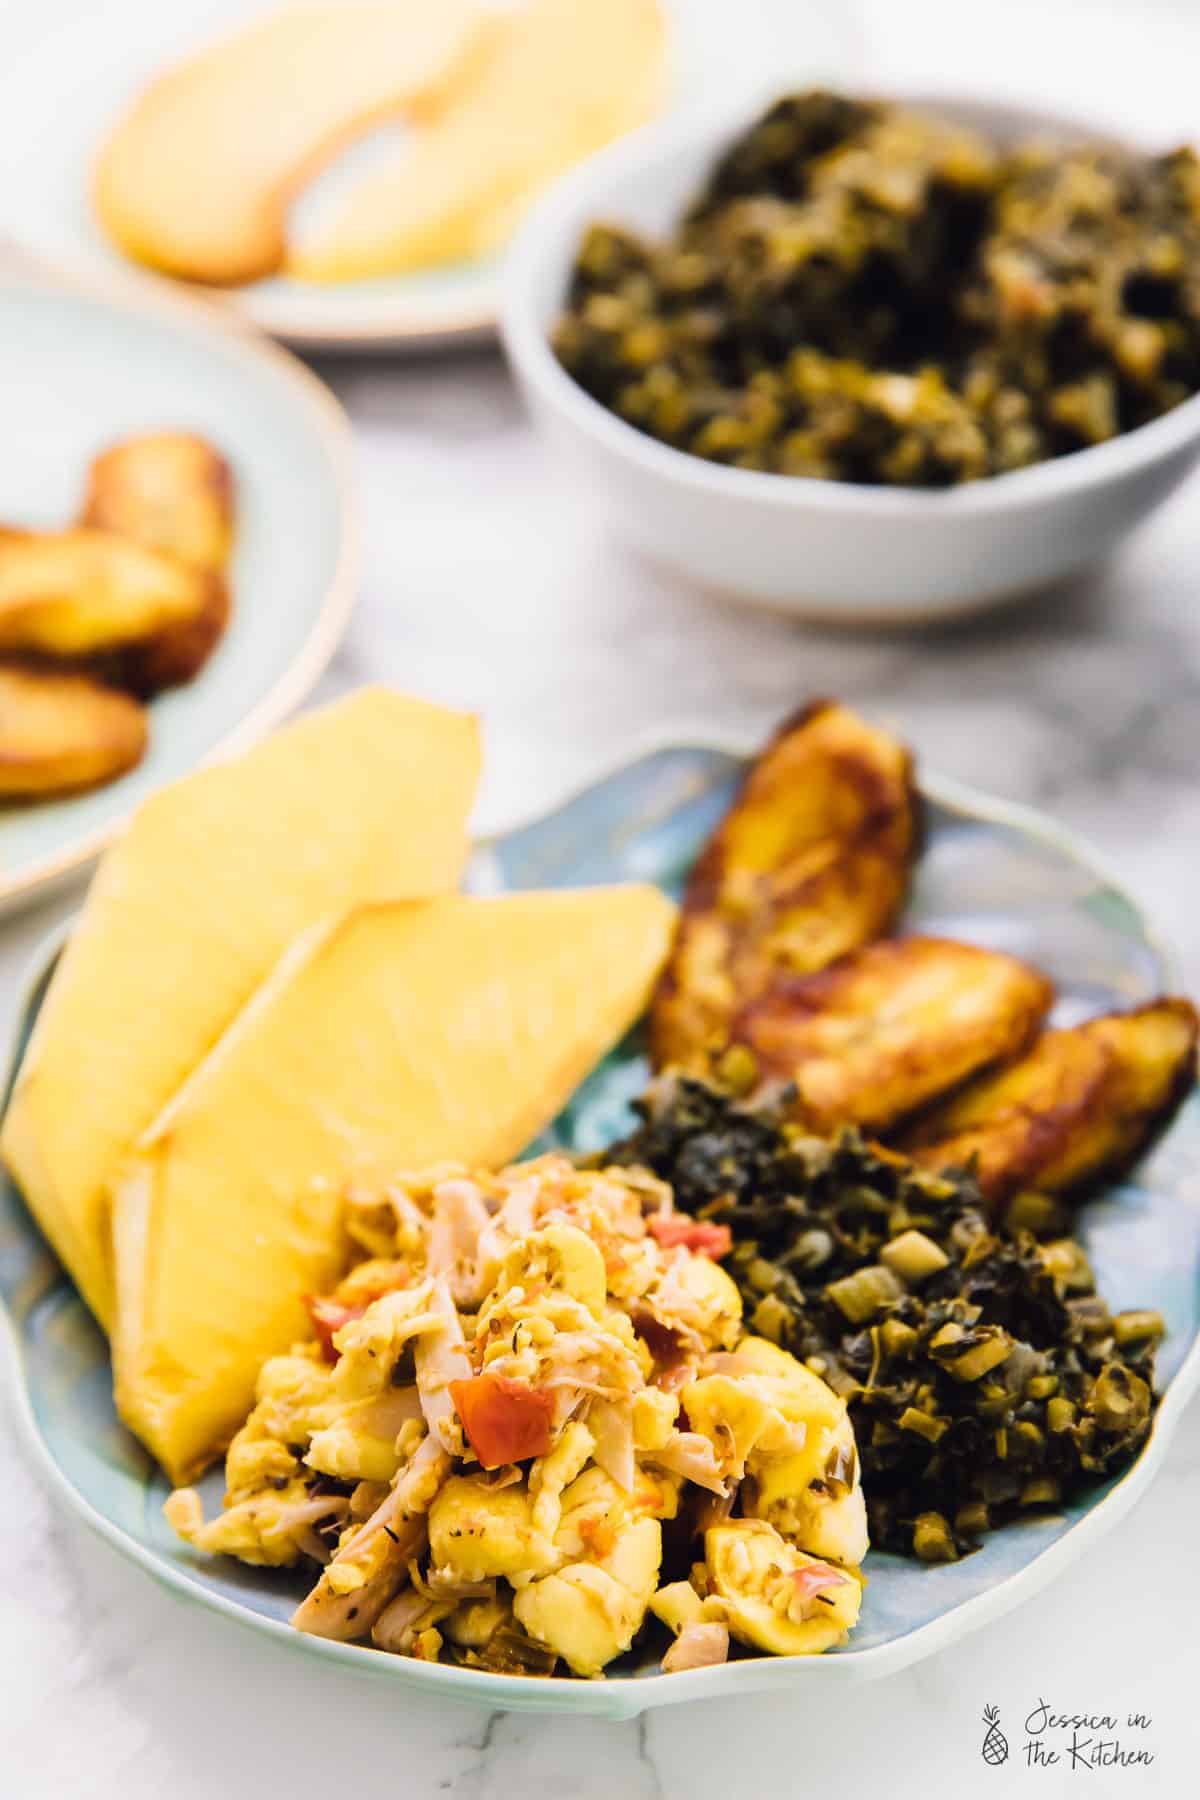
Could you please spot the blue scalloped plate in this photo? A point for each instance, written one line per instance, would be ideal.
(990, 872)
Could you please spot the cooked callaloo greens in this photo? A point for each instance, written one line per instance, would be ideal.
(985, 1377)
(871, 295)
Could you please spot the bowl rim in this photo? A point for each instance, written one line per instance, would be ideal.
(526, 344)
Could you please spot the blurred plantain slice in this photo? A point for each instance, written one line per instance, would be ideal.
(172, 492)
(890, 1027)
(169, 490)
(59, 733)
(83, 593)
(811, 861)
(1080, 1107)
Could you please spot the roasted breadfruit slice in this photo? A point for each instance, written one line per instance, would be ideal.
(172, 492)
(811, 861)
(197, 177)
(60, 733)
(1081, 1106)
(566, 76)
(83, 593)
(890, 1027)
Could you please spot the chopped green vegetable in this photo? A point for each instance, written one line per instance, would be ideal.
(1138, 1327)
(933, 1540)
(913, 1419)
(861, 1295)
(1000, 1384)
(913, 1256)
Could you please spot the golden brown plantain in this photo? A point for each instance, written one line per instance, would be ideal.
(169, 490)
(811, 861)
(59, 733)
(176, 655)
(84, 593)
(1082, 1105)
(889, 1027)
(172, 492)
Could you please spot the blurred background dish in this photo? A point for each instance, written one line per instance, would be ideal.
(101, 65)
(824, 549)
(79, 371)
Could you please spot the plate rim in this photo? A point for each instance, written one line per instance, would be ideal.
(476, 321)
(626, 1699)
(331, 427)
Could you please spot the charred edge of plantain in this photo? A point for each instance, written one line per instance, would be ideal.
(703, 887)
(1183, 1080)
(176, 656)
(1046, 1132)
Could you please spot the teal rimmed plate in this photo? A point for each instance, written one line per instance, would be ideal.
(80, 370)
(990, 872)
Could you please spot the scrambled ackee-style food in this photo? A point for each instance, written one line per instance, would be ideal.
(530, 1417)
(866, 294)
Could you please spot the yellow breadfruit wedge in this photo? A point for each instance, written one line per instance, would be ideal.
(396, 1036)
(197, 177)
(568, 76)
(190, 910)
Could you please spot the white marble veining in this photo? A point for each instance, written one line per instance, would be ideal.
(488, 584)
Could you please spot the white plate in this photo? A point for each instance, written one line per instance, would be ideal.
(77, 371)
(68, 73)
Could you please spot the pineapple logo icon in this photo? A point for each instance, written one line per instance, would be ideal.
(995, 1744)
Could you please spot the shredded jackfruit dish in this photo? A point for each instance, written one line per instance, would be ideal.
(530, 1420)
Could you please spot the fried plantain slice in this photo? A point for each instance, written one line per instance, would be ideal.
(82, 592)
(176, 655)
(811, 861)
(1080, 1107)
(59, 733)
(890, 1027)
(173, 492)
(169, 490)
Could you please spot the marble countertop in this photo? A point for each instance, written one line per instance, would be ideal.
(487, 583)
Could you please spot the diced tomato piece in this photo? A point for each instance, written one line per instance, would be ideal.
(673, 1229)
(329, 1316)
(505, 1421)
(598, 1535)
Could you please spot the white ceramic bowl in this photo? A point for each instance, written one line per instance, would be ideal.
(818, 548)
